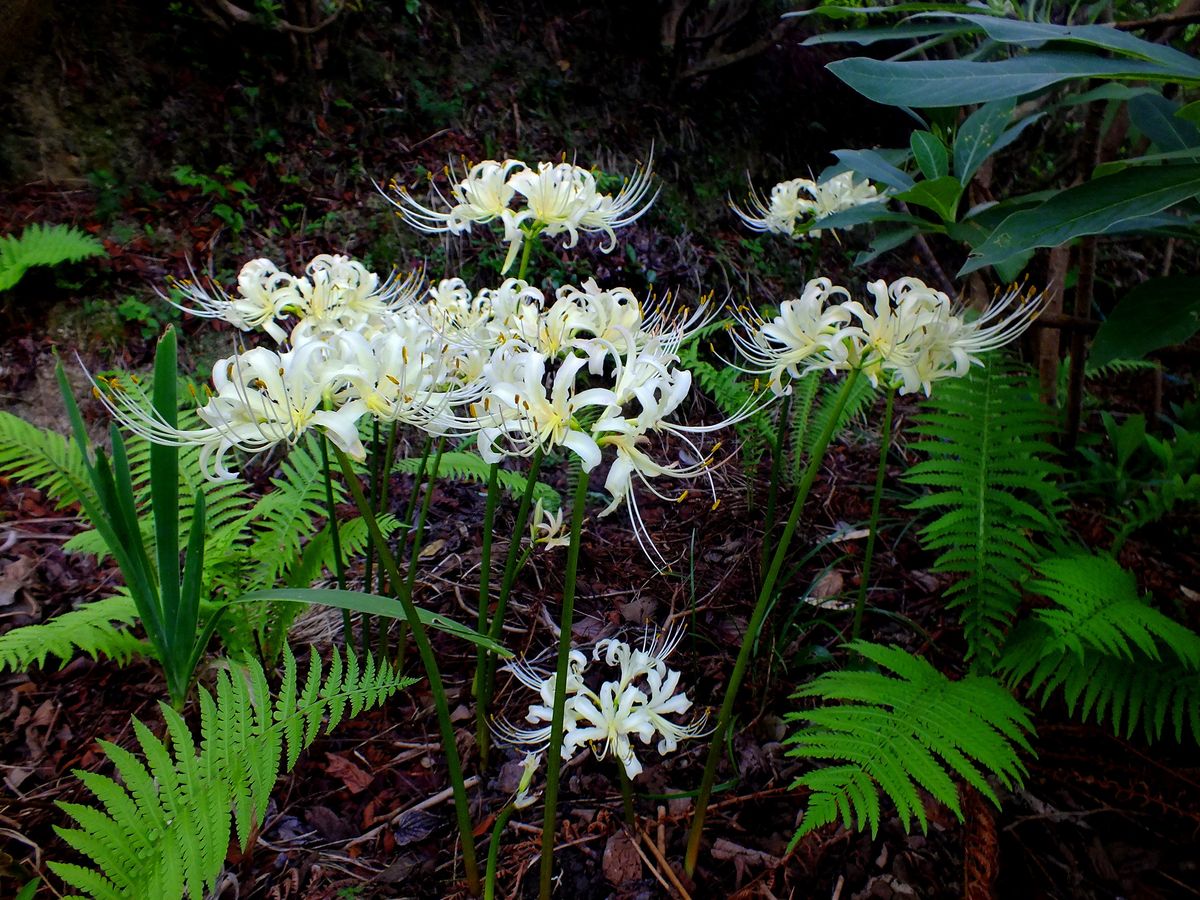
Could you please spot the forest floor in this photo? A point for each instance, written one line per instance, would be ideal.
(1099, 816)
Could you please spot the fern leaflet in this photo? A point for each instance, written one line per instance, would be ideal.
(986, 458)
(896, 735)
(163, 830)
(43, 245)
(91, 629)
(458, 465)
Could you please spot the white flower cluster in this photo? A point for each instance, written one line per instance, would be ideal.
(637, 701)
(551, 199)
(592, 371)
(911, 336)
(789, 213)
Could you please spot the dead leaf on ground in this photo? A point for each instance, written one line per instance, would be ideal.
(355, 779)
(621, 860)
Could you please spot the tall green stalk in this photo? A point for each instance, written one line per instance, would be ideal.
(462, 808)
(483, 623)
(418, 543)
(486, 680)
(783, 429)
(885, 445)
(336, 538)
(765, 596)
(554, 754)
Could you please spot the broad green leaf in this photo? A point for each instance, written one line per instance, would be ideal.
(885, 241)
(930, 154)
(1093, 207)
(1035, 34)
(955, 82)
(1117, 165)
(1156, 117)
(1190, 112)
(374, 605)
(867, 212)
(867, 36)
(871, 165)
(978, 135)
(939, 194)
(1110, 91)
(1155, 314)
(847, 12)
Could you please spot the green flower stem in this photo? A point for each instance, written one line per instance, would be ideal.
(885, 445)
(765, 596)
(493, 857)
(418, 543)
(410, 510)
(554, 753)
(525, 251)
(482, 623)
(339, 565)
(425, 650)
(488, 683)
(781, 436)
(375, 463)
(627, 796)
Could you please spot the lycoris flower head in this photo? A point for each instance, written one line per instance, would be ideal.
(639, 699)
(789, 213)
(911, 336)
(554, 198)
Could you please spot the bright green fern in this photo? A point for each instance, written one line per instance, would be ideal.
(93, 629)
(458, 465)
(984, 439)
(163, 829)
(1111, 653)
(43, 245)
(897, 736)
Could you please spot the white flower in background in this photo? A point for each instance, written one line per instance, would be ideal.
(525, 793)
(808, 334)
(547, 527)
(263, 291)
(638, 700)
(553, 198)
(795, 205)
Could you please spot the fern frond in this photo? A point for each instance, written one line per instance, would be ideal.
(285, 516)
(43, 245)
(91, 629)
(726, 387)
(817, 401)
(987, 461)
(42, 458)
(458, 465)
(163, 830)
(898, 735)
(1112, 655)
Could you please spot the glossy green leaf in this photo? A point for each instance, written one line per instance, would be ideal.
(847, 12)
(867, 36)
(867, 212)
(938, 194)
(1035, 34)
(1155, 314)
(978, 135)
(930, 153)
(956, 82)
(374, 605)
(1156, 117)
(871, 165)
(885, 241)
(1190, 112)
(1093, 207)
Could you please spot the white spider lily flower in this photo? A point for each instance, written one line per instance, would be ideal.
(630, 204)
(479, 198)
(639, 702)
(262, 293)
(557, 197)
(779, 213)
(789, 213)
(528, 417)
(837, 194)
(808, 334)
(342, 294)
(891, 340)
(260, 398)
(525, 793)
(547, 527)
(612, 717)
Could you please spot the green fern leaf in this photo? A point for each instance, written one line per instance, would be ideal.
(41, 458)
(899, 735)
(986, 461)
(164, 829)
(91, 629)
(463, 466)
(43, 245)
(1113, 656)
